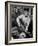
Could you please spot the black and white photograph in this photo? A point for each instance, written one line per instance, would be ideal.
(20, 22)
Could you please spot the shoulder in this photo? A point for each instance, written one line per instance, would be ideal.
(20, 16)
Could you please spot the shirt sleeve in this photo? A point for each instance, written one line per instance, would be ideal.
(18, 20)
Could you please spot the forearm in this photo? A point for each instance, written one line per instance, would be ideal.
(18, 22)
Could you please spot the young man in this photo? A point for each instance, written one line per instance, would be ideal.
(25, 18)
(24, 23)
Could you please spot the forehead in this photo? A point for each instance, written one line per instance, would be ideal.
(26, 11)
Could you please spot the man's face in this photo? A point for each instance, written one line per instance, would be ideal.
(26, 13)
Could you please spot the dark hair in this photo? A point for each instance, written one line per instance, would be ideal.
(26, 9)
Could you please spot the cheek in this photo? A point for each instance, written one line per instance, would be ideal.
(27, 20)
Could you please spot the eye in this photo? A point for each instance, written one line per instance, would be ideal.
(26, 16)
